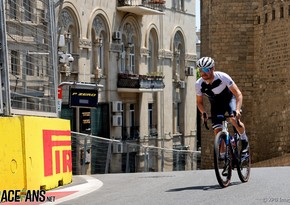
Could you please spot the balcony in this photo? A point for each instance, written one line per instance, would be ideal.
(140, 83)
(142, 7)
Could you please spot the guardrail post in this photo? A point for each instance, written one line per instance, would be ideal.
(192, 160)
(108, 159)
(127, 159)
(85, 155)
(177, 161)
(145, 159)
(162, 160)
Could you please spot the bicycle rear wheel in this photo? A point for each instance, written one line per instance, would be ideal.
(244, 166)
(222, 164)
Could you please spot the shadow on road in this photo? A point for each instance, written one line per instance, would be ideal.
(204, 188)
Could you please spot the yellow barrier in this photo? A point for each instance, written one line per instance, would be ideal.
(39, 152)
(11, 154)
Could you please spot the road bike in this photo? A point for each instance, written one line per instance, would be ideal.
(228, 155)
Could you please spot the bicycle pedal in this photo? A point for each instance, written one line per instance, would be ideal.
(244, 156)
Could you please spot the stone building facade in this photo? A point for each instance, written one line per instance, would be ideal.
(141, 53)
(250, 40)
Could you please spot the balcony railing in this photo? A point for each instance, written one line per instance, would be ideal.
(142, 7)
(140, 83)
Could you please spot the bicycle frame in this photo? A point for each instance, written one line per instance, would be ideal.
(226, 131)
(232, 158)
(229, 137)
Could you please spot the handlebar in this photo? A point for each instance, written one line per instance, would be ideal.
(220, 117)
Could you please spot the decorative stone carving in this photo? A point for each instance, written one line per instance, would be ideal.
(85, 43)
(190, 57)
(116, 47)
(165, 54)
(144, 51)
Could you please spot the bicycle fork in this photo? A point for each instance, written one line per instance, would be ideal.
(227, 155)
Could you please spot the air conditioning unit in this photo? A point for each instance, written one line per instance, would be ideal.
(190, 71)
(117, 35)
(118, 147)
(117, 106)
(117, 121)
(181, 84)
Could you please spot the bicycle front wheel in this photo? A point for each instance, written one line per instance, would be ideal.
(222, 160)
(244, 166)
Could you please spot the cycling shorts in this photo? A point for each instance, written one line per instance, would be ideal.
(220, 108)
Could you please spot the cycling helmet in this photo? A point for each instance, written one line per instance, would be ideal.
(205, 62)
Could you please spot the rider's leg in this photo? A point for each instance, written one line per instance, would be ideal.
(241, 130)
(241, 127)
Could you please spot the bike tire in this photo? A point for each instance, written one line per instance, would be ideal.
(244, 167)
(219, 164)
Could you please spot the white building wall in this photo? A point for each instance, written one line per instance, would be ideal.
(166, 26)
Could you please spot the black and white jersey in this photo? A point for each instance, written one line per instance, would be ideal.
(218, 90)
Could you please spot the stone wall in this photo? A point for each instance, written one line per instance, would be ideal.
(255, 54)
(272, 93)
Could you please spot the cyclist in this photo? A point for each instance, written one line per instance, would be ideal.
(224, 96)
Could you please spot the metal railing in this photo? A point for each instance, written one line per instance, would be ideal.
(140, 81)
(97, 155)
(29, 57)
(152, 4)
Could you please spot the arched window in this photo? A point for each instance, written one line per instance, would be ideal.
(150, 54)
(68, 27)
(122, 56)
(179, 83)
(129, 61)
(152, 58)
(179, 56)
(131, 57)
(99, 39)
(101, 53)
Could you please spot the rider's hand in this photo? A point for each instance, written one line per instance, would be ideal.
(204, 116)
(238, 115)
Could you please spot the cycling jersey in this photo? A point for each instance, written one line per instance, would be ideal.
(221, 98)
(218, 89)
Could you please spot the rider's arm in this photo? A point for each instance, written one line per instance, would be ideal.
(199, 101)
(239, 98)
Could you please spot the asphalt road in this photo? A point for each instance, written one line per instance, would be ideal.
(266, 186)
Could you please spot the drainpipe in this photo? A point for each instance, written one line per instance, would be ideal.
(162, 96)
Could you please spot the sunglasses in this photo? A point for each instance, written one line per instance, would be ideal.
(205, 70)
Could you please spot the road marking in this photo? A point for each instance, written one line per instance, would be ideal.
(77, 191)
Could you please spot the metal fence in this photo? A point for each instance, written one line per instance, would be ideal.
(28, 57)
(97, 155)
